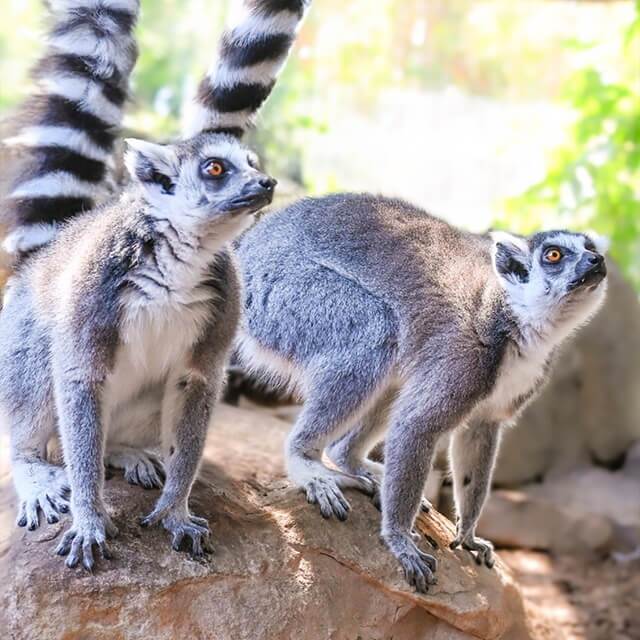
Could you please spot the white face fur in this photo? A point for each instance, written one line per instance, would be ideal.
(554, 281)
(200, 183)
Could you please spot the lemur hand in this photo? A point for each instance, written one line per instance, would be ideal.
(181, 524)
(89, 528)
(483, 548)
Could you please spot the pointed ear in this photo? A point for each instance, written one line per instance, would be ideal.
(602, 243)
(153, 165)
(511, 257)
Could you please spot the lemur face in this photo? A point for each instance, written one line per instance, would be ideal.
(552, 276)
(208, 178)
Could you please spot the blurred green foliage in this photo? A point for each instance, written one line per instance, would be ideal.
(349, 55)
(593, 180)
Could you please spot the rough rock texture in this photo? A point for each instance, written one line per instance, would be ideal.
(586, 509)
(590, 408)
(279, 571)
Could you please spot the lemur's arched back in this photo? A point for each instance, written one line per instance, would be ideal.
(68, 127)
(115, 335)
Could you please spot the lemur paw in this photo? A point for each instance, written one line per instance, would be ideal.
(40, 487)
(326, 493)
(419, 567)
(140, 467)
(181, 524)
(85, 533)
(483, 548)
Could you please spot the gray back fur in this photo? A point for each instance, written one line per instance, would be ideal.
(381, 315)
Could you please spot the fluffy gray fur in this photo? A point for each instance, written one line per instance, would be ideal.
(116, 334)
(392, 323)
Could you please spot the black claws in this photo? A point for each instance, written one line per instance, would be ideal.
(483, 551)
(329, 498)
(419, 570)
(200, 544)
(194, 529)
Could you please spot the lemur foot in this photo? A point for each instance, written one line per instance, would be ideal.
(181, 524)
(419, 567)
(324, 486)
(327, 495)
(87, 531)
(483, 548)
(41, 487)
(140, 467)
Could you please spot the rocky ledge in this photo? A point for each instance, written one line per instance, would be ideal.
(278, 570)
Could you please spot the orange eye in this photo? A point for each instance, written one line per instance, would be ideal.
(215, 169)
(553, 255)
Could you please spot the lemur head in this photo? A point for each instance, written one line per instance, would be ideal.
(203, 181)
(554, 280)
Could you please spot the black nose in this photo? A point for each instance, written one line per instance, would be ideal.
(268, 183)
(595, 258)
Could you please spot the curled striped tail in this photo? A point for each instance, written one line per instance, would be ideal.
(67, 128)
(252, 52)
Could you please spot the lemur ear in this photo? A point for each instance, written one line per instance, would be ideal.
(602, 243)
(153, 165)
(511, 257)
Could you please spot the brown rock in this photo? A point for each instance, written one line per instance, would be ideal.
(279, 571)
(519, 519)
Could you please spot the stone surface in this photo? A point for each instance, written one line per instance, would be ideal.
(278, 571)
(586, 509)
(517, 519)
(590, 410)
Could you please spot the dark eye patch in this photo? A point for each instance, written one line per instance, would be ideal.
(589, 245)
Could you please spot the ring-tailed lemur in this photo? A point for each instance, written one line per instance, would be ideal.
(381, 314)
(118, 329)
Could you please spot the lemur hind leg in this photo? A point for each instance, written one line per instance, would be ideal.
(28, 408)
(473, 455)
(337, 396)
(140, 467)
(40, 485)
(134, 435)
(349, 452)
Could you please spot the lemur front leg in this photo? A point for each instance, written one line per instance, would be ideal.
(409, 449)
(473, 454)
(78, 390)
(186, 411)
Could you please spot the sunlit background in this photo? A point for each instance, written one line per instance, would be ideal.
(511, 113)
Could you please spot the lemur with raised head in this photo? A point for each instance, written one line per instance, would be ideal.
(389, 320)
(116, 332)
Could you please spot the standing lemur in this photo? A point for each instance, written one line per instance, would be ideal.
(116, 325)
(380, 314)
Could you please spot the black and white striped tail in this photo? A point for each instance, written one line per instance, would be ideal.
(67, 129)
(252, 53)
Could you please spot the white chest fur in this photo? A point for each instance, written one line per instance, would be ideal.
(155, 340)
(518, 376)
